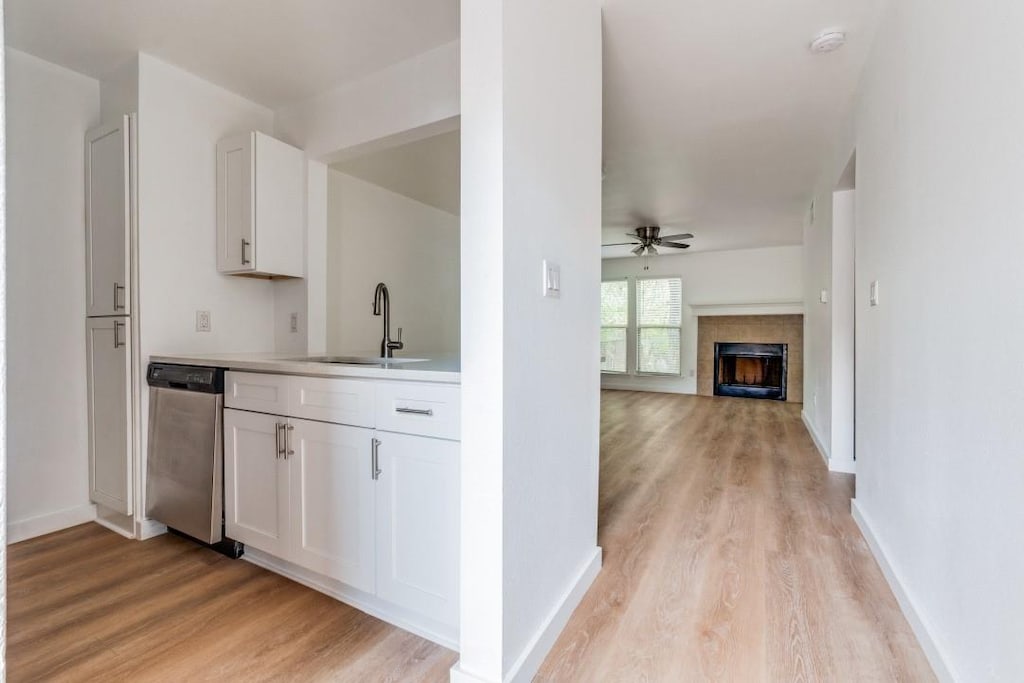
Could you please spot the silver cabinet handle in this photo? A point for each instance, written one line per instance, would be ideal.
(375, 460)
(117, 306)
(279, 449)
(118, 342)
(415, 411)
(288, 440)
(245, 245)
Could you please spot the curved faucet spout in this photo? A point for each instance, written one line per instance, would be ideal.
(382, 303)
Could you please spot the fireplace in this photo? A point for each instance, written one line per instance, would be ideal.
(751, 370)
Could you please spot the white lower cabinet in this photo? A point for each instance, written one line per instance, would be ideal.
(108, 366)
(332, 506)
(418, 524)
(375, 510)
(255, 481)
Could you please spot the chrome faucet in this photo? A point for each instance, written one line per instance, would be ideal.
(382, 300)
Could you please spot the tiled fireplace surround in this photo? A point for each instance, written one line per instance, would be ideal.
(764, 329)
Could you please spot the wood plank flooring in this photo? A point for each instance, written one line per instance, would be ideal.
(730, 555)
(85, 604)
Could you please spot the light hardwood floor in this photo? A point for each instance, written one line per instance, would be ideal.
(730, 555)
(88, 605)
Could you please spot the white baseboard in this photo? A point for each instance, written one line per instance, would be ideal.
(149, 528)
(822, 451)
(654, 384)
(845, 466)
(443, 635)
(24, 529)
(924, 637)
(115, 521)
(457, 675)
(532, 656)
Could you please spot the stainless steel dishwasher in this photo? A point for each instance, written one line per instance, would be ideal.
(185, 462)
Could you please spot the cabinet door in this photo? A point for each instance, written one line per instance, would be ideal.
(109, 382)
(255, 481)
(236, 239)
(418, 524)
(332, 494)
(280, 206)
(107, 219)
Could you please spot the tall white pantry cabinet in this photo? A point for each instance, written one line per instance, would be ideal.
(111, 276)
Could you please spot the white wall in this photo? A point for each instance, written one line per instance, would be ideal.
(743, 276)
(940, 380)
(414, 98)
(531, 190)
(181, 118)
(817, 275)
(49, 110)
(375, 235)
(3, 360)
(828, 263)
(841, 299)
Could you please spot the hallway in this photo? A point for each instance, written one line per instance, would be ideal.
(729, 555)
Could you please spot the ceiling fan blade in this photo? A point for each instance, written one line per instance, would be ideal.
(684, 236)
(619, 244)
(673, 244)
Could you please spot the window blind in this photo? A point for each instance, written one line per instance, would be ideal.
(614, 322)
(659, 313)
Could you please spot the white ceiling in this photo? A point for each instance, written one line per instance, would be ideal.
(270, 51)
(426, 170)
(717, 116)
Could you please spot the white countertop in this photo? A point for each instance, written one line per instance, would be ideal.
(443, 369)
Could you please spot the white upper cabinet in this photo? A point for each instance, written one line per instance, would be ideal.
(107, 219)
(261, 201)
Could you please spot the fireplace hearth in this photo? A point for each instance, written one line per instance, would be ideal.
(751, 370)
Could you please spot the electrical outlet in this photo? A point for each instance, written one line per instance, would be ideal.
(873, 293)
(692, 372)
(294, 322)
(202, 321)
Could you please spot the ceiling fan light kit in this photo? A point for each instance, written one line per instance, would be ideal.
(647, 238)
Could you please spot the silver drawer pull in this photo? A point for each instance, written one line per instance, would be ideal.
(118, 288)
(415, 411)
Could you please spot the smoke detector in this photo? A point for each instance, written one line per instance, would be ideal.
(828, 41)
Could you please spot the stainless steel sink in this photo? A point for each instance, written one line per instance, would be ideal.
(360, 360)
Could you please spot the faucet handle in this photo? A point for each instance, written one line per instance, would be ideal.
(399, 334)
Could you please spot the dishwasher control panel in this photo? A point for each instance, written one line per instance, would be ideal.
(187, 377)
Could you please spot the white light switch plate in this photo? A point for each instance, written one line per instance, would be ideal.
(873, 297)
(824, 296)
(552, 279)
(293, 322)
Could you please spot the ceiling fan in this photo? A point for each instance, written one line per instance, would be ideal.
(646, 239)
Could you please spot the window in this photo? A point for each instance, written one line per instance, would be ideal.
(614, 324)
(658, 323)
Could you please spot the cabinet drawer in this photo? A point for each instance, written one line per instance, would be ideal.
(255, 391)
(342, 401)
(415, 408)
